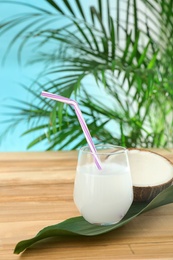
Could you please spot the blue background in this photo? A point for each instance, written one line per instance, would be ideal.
(11, 75)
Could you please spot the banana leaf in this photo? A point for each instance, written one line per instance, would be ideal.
(79, 226)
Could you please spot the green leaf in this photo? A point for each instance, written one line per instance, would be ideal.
(40, 127)
(100, 9)
(94, 38)
(143, 55)
(97, 15)
(112, 34)
(67, 4)
(127, 16)
(126, 50)
(80, 9)
(37, 140)
(153, 61)
(135, 18)
(118, 19)
(103, 78)
(79, 226)
(81, 30)
(53, 116)
(135, 49)
(53, 4)
(60, 114)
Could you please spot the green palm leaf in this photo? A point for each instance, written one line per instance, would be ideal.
(127, 52)
(79, 226)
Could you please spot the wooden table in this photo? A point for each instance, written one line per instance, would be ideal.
(36, 190)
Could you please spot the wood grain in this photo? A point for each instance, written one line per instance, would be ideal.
(36, 190)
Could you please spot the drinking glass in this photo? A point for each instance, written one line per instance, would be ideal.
(103, 196)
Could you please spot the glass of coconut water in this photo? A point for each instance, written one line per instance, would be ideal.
(103, 196)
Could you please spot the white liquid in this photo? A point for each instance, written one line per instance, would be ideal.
(103, 197)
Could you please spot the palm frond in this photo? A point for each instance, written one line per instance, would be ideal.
(126, 51)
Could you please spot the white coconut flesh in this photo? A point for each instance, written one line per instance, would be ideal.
(151, 173)
(149, 169)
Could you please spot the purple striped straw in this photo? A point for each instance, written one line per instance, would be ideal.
(81, 121)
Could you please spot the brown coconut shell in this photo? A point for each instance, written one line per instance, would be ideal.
(142, 194)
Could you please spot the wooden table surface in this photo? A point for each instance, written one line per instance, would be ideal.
(36, 190)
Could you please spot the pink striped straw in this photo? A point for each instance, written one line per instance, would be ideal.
(81, 121)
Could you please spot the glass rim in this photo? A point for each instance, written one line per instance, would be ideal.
(120, 149)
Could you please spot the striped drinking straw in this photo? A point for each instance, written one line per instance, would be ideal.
(81, 121)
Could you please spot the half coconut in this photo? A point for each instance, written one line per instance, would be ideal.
(151, 173)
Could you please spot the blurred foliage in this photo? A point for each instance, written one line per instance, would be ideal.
(121, 50)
